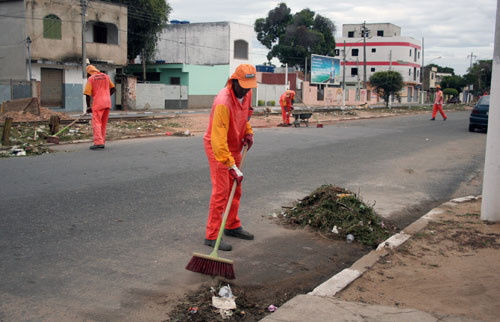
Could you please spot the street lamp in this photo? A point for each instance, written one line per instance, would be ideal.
(438, 57)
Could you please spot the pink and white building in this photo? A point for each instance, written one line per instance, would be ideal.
(386, 50)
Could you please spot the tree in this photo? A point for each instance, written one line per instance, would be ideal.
(387, 83)
(456, 82)
(292, 38)
(146, 20)
(450, 92)
(480, 76)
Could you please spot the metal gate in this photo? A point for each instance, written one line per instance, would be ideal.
(51, 90)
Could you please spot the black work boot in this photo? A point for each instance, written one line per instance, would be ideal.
(222, 246)
(98, 146)
(238, 233)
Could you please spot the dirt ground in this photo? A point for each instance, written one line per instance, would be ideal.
(451, 267)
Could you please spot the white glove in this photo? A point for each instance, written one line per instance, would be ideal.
(238, 171)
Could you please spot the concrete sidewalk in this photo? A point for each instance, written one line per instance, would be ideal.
(470, 295)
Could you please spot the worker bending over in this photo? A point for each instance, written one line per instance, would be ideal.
(286, 102)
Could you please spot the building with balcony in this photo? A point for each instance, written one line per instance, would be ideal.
(42, 41)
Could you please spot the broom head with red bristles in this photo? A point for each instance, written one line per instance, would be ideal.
(211, 265)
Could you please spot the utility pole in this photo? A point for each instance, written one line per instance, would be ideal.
(422, 70)
(491, 188)
(470, 70)
(390, 68)
(84, 39)
(143, 60)
(343, 80)
(28, 41)
(364, 31)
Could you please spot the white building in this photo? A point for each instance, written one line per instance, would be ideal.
(210, 43)
(386, 50)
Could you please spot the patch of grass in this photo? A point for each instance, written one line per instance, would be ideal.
(333, 208)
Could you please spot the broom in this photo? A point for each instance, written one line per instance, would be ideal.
(213, 264)
(55, 138)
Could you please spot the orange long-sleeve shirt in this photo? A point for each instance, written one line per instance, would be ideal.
(229, 122)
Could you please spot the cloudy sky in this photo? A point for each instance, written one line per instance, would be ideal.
(451, 30)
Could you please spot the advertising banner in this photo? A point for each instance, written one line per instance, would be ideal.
(325, 70)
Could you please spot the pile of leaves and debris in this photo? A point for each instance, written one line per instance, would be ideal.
(223, 303)
(339, 214)
(26, 139)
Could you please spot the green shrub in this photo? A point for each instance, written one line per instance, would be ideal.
(261, 103)
(270, 103)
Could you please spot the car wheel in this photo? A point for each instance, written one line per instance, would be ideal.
(471, 128)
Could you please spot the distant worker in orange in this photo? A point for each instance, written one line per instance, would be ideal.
(286, 102)
(438, 104)
(228, 131)
(100, 88)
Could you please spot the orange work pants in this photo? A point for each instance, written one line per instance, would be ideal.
(222, 183)
(99, 122)
(285, 113)
(438, 107)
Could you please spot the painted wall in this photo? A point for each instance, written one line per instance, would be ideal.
(69, 47)
(268, 92)
(206, 80)
(333, 96)
(153, 96)
(13, 49)
(5, 94)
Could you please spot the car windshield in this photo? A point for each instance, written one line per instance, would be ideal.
(485, 100)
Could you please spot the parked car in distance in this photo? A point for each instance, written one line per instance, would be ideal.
(453, 100)
(479, 116)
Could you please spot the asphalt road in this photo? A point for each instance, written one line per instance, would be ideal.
(93, 234)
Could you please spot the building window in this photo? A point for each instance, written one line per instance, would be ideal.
(103, 33)
(432, 76)
(175, 80)
(374, 50)
(410, 52)
(372, 69)
(337, 52)
(52, 27)
(350, 34)
(240, 49)
(354, 71)
(409, 72)
(418, 55)
(355, 52)
(380, 33)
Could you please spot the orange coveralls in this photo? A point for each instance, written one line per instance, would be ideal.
(229, 122)
(438, 105)
(98, 86)
(286, 104)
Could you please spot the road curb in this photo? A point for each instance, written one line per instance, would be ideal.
(343, 279)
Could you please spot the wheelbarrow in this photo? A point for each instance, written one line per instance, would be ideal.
(301, 117)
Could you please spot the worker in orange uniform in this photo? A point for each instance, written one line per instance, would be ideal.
(228, 131)
(286, 102)
(438, 104)
(100, 88)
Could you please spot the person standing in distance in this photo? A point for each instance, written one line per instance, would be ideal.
(100, 88)
(438, 104)
(228, 131)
